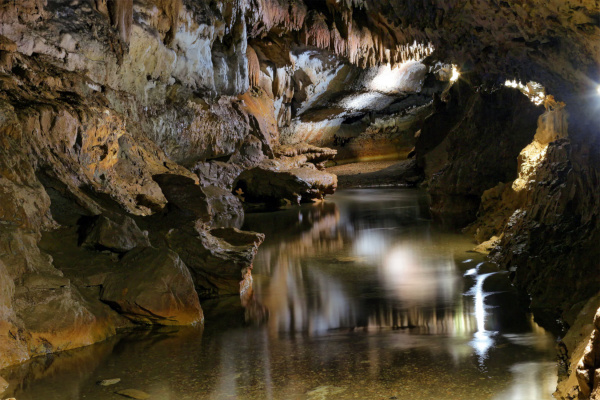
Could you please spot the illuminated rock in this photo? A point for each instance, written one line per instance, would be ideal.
(152, 286)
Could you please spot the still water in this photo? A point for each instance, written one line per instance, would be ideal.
(358, 297)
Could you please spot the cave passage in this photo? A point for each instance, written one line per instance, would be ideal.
(359, 295)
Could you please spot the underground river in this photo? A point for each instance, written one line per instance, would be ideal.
(356, 297)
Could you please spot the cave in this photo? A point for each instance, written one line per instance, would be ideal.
(311, 199)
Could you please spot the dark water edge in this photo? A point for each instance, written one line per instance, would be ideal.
(356, 297)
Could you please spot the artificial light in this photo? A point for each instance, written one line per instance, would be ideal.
(455, 74)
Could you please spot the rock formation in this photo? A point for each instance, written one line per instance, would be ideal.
(135, 134)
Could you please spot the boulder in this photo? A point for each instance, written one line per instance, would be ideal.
(227, 209)
(120, 237)
(56, 316)
(218, 259)
(184, 195)
(263, 184)
(153, 286)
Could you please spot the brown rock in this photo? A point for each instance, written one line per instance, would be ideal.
(185, 195)
(218, 259)
(217, 173)
(7, 45)
(226, 208)
(105, 234)
(265, 185)
(153, 286)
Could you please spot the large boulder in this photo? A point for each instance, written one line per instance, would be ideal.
(218, 259)
(264, 184)
(153, 286)
(184, 195)
(105, 234)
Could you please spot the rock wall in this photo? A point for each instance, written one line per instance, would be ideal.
(124, 127)
(528, 181)
(470, 144)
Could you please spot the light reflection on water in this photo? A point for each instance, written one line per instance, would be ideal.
(358, 297)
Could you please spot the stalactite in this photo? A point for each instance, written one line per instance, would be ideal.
(363, 45)
(121, 17)
(101, 7)
(337, 42)
(253, 66)
(316, 32)
(288, 15)
(171, 9)
(298, 12)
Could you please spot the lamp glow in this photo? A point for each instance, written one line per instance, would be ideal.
(598, 89)
(455, 74)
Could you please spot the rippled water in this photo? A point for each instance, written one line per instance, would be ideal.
(359, 297)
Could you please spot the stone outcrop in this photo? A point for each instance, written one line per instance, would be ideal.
(218, 259)
(101, 233)
(265, 184)
(470, 144)
(295, 176)
(578, 355)
(152, 286)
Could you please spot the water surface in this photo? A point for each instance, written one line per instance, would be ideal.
(358, 297)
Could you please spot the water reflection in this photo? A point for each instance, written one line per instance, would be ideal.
(348, 265)
(354, 265)
(482, 341)
(360, 297)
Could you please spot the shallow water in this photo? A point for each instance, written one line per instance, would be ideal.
(359, 297)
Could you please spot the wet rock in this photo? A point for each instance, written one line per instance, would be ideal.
(266, 185)
(184, 195)
(226, 208)
(294, 176)
(487, 246)
(218, 259)
(587, 369)
(403, 173)
(133, 394)
(56, 317)
(153, 286)
(103, 233)
(579, 354)
(109, 382)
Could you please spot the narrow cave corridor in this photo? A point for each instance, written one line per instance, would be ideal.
(312, 199)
